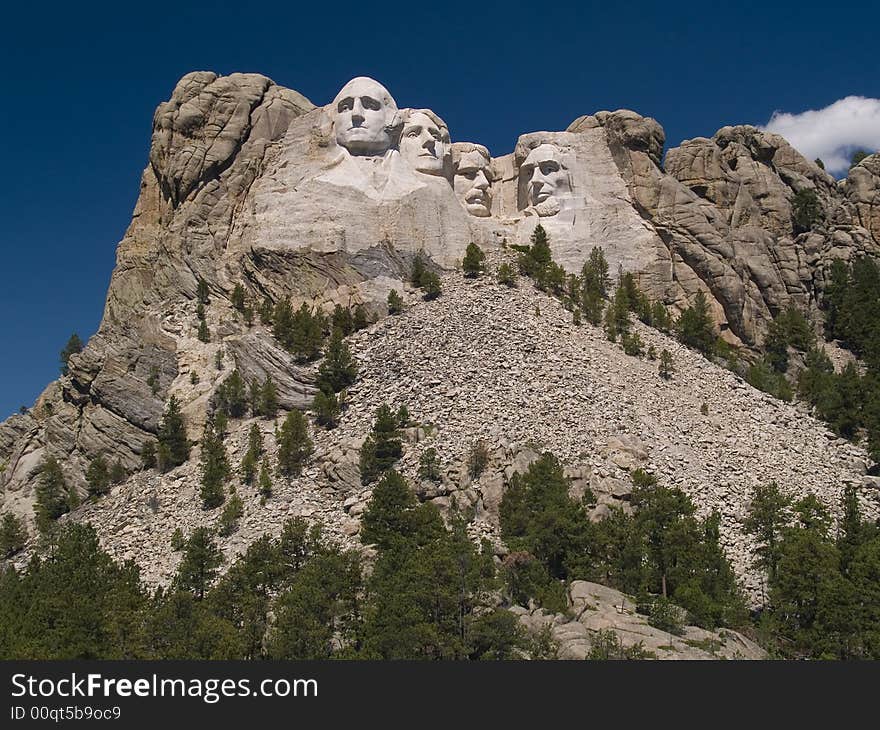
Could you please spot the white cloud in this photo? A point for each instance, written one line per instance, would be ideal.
(832, 133)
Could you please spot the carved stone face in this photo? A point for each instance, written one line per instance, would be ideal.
(363, 117)
(424, 143)
(472, 183)
(546, 178)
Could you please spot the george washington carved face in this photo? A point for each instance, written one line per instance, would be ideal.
(364, 114)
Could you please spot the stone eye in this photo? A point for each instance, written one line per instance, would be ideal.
(370, 103)
(345, 105)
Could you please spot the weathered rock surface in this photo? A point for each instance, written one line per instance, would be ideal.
(596, 608)
(238, 191)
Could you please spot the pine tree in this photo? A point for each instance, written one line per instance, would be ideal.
(255, 398)
(118, 472)
(338, 369)
(294, 445)
(389, 513)
(74, 345)
(395, 303)
(359, 319)
(53, 494)
(430, 286)
(98, 477)
(769, 512)
(269, 398)
(204, 333)
(267, 311)
(506, 275)
(342, 320)
(539, 252)
(231, 514)
(215, 469)
(201, 561)
(13, 536)
(173, 446)
(382, 447)
(594, 275)
(265, 483)
(238, 297)
(307, 334)
(326, 408)
(474, 260)
(418, 271)
(695, 328)
(232, 396)
(252, 455)
(666, 368)
(429, 466)
(202, 293)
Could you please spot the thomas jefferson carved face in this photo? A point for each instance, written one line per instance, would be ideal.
(546, 178)
(424, 142)
(472, 180)
(363, 117)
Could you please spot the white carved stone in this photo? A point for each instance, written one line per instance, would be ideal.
(424, 142)
(472, 177)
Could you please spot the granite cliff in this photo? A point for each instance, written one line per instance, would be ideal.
(250, 183)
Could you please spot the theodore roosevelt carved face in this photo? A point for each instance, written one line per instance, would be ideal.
(472, 179)
(364, 114)
(424, 142)
(547, 179)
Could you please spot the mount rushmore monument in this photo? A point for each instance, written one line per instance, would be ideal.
(250, 184)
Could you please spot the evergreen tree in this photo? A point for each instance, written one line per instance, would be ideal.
(388, 516)
(418, 271)
(666, 367)
(13, 536)
(148, 454)
(231, 514)
(395, 303)
(267, 311)
(118, 473)
(232, 397)
(215, 468)
(294, 445)
(431, 286)
(265, 482)
(806, 210)
(767, 516)
(474, 260)
(539, 252)
(74, 345)
(202, 293)
(173, 446)
(238, 298)
(359, 319)
(429, 466)
(857, 157)
(506, 275)
(695, 328)
(617, 321)
(342, 320)
(338, 369)
(98, 477)
(594, 275)
(326, 408)
(204, 334)
(269, 398)
(382, 447)
(252, 455)
(199, 566)
(54, 497)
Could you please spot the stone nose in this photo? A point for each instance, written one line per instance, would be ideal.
(481, 181)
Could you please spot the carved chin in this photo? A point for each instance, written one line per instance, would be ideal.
(550, 206)
(478, 209)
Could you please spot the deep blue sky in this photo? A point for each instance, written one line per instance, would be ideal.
(82, 81)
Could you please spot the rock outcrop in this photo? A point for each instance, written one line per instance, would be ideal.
(250, 183)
